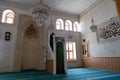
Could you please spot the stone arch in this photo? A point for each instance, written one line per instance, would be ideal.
(26, 24)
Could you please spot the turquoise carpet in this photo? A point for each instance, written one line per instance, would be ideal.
(73, 74)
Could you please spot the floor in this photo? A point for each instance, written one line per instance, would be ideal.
(73, 74)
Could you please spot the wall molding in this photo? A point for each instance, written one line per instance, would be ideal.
(13, 5)
(104, 63)
(90, 7)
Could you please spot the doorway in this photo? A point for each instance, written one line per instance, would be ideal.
(60, 56)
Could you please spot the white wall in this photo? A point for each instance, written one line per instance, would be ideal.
(7, 48)
(53, 17)
(101, 13)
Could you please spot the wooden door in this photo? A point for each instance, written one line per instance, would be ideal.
(60, 58)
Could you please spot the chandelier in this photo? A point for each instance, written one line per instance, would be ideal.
(93, 27)
(40, 12)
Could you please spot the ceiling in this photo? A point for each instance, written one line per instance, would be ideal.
(74, 7)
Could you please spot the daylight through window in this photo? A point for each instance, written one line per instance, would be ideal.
(71, 51)
(8, 16)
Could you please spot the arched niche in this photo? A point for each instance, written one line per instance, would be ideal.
(31, 34)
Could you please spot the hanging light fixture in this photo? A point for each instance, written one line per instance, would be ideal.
(93, 27)
(40, 12)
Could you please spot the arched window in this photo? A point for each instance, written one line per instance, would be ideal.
(8, 16)
(59, 24)
(68, 25)
(76, 26)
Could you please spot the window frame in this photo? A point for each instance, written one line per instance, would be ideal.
(61, 24)
(68, 24)
(76, 27)
(5, 16)
(72, 51)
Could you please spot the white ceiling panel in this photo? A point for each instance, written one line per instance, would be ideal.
(74, 7)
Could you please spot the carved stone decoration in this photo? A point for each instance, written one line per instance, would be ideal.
(31, 32)
(31, 47)
(109, 30)
(59, 39)
(70, 37)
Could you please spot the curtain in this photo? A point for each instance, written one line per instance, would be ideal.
(118, 7)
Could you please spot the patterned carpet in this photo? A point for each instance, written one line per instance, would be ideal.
(73, 74)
